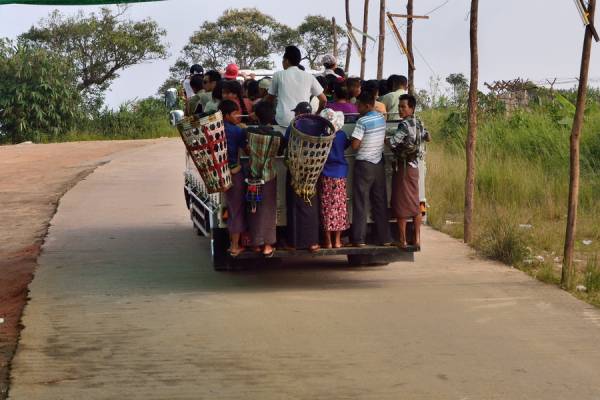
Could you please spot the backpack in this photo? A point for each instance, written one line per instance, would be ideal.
(408, 150)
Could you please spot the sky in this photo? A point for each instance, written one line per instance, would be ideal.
(534, 39)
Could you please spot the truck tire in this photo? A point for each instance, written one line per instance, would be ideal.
(186, 196)
(365, 260)
(219, 245)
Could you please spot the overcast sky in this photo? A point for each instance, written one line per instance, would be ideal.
(535, 39)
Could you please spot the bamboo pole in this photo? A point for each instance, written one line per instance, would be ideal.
(381, 48)
(568, 270)
(363, 58)
(472, 129)
(335, 43)
(349, 45)
(409, 47)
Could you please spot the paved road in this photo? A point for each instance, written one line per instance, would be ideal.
(125, 305)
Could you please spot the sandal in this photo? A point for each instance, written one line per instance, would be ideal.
(236, 253)
(314, 248)
(269, 254)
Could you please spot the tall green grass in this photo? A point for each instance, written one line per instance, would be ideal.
(522, 176)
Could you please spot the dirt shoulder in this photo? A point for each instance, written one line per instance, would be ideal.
(33, 178)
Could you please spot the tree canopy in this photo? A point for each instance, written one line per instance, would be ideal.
(316, 33)
(98, 45)
(245, 36)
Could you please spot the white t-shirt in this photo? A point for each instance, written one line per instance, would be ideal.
(292, 86)
(189, 92)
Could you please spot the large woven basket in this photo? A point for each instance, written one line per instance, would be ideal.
(205, 141)
(309, 144)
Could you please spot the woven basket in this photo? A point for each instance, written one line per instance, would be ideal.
(205, 141)
(309, 144)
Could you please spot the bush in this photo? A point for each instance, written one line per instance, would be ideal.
(503, 241)
(143, 119)
(592, 275)
(38, 95)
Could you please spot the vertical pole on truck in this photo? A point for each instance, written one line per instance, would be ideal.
(349, 45)
(472, 129)
(335, 43)
(409, 46)
(381, 48)
(363, 58)
(567, 280)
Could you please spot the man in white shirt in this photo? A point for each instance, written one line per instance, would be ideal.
(292, 86)
(397, 84)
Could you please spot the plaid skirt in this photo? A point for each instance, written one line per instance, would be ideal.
(333, 204)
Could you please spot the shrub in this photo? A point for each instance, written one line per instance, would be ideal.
(592, 275)
(503, 241)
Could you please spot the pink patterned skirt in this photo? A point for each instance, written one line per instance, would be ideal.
(333, 204)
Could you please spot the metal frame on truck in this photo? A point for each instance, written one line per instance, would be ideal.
(208, 213)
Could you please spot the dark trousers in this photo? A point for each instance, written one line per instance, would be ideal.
(369, 188)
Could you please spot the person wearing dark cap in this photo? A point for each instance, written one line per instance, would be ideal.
(302, 230)
(195, 69)
(292, 86)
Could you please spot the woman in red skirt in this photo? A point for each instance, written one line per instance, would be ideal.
(334, 214)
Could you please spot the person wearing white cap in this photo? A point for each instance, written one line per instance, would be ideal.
(330, 63)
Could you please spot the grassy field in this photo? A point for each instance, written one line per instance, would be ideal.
(521, 189)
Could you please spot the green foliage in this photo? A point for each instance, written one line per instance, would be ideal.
(245, 36)
(98, 45)
(503, 241)
(316, 33)
(592, 275)
(143, 119)
(38, 96)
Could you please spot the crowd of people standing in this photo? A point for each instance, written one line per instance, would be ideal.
(251, 108)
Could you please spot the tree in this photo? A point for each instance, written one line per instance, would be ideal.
(568, 269)
(460, 88)
(381, 44)
(245, 36)
(472, 127)
(316, 35)
(98, 45)
(39, 99)
(409, 47)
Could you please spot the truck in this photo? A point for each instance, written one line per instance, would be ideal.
(208, 214)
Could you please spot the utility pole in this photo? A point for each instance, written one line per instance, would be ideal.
(349, 45)
(409, 47)
(406, 48)
(568, 268)
(335, 43)
(381, 48)
(363, 58)
(472, 128)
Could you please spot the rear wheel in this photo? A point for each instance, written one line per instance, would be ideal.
(219, 245)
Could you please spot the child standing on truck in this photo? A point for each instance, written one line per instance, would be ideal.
(406, 143)
(334, 214)
(236, 142)
(368, 182)
(263, 146)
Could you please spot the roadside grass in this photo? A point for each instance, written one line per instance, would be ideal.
(521, 191)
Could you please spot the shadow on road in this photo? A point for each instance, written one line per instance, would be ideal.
(171, 258)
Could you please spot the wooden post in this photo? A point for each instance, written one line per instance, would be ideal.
(349, 46)
(335, 43)
(363, 58)
(381, 48)
(472, 129)
(568, 268)
(409, 47)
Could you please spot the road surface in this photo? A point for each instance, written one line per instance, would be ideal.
(125, 305)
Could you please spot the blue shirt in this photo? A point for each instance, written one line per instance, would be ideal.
(370, 130)
(336, 165)
(236, 140)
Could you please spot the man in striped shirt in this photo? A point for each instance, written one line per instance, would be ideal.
(368, 181)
